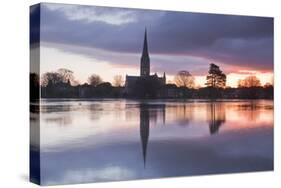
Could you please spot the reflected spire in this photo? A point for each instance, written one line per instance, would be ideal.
(144, 129)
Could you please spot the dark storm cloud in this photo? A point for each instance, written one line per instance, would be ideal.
(188, 31)
(34, 25)
(233, 40)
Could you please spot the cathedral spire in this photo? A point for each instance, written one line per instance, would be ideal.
(145, 62)
(145, 47)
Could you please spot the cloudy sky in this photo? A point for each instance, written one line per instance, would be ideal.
(108, 41)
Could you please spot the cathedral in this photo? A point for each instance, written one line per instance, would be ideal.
(132, 82)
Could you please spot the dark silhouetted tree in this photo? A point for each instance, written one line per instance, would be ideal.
(216, 81)
(94, 80)
(184, 79)
(50, 79)
(66, 74)
(34, 86)
(216, 78)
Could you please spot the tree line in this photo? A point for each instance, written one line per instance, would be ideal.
(248, 88)
(66, 76)
(217, 79)
(62, 83)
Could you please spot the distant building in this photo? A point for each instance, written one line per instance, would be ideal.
(132, 81)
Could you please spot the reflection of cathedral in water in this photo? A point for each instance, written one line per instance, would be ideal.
(149, 113)
(152, 114)
(144, 130)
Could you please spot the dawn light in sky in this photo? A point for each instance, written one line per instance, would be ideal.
(108, 42)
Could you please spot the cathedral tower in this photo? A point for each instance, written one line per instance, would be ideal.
(145, 62)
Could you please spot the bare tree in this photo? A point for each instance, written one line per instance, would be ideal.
(66, 74)
(51, 79)
(184, 79)
(94, 80)
(250, 81)
(118, 81)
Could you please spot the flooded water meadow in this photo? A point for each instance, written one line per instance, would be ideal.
(120, 139)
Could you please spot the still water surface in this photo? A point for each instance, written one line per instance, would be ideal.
(105, 140)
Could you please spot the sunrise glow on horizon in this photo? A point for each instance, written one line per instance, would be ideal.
(99, 41)
(83, 67)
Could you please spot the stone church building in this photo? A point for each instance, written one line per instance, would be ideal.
(132, 81)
